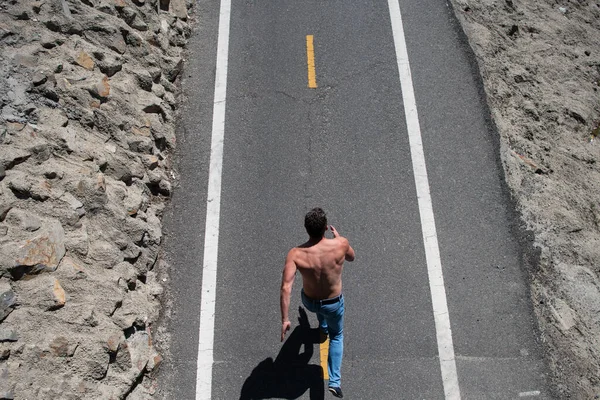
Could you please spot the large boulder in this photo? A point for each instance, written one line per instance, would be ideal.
(31, 255)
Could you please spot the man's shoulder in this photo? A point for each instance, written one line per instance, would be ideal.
(294, 251)
(341, 241)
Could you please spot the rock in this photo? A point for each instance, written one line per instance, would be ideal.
(8, 335)
(104, 254)
(4, 209)
(179, 8)
(172, 67)
(169, 86)
(150, 103)
(112, 41)
(92, 193)
(133, 39)
(62, 347)
(143, 131)
(44, 292)
(127, 273)
(123, 357)
(110, 65)
(2, 172)
(140, 144)
(164, 187)
(154, 228)
(40, 190)
(8, 300)
(85, 61)
(14, 127)
(135, 228)
(154, 362)
(164, 134)
(9, 114)
(18, 13)
(131, 253)
(59, 295)
(96, 367)
(150, 161)
(106, 123)
(136, 200)
(73, 203)
(100, 90)
(4, 355)
(42, 253)
(141, 350)
(170, 99)
(39, 78)
(8, 159)
(144, 79)
(73, 268)
(114, 341)
(6, 389)
(139, 24)
(50, 40)
(40, 152)
(24, 220)
(119, 169)
(158, 90)
(52, 118)
(20, 185)
(155, 73)
(154, 177)
(128, 14)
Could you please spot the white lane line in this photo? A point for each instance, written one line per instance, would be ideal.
(213, 210)
(530, 394)
(432, 251)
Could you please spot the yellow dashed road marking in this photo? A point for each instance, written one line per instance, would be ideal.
(324, 353)
(310, 58)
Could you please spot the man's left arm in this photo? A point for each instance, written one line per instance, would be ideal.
(287, 280)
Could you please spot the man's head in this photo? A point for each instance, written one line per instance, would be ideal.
(315, 223)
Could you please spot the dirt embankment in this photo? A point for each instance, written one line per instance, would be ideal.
(87, 107)
(540, 63)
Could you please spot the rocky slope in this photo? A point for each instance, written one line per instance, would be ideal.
(87, 106)
(540, 64)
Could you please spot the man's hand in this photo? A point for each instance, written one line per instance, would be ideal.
(285, 326)
(334, 231)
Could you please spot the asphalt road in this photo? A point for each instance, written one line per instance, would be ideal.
(344, 146)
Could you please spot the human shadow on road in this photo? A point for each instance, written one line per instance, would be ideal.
(290, 375)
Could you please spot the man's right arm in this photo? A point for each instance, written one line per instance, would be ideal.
(349, 252)
(349, 255)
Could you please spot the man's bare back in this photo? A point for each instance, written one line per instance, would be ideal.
(321, 264)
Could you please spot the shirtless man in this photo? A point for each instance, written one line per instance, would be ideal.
(320, 261)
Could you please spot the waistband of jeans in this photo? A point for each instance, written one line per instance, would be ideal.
(324, 301)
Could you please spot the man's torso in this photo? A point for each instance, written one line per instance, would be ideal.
(321, 267)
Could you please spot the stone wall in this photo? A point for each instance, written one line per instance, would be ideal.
(88, 98)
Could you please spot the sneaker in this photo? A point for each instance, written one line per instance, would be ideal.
(336, 391)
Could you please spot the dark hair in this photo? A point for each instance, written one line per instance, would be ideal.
(315, 222)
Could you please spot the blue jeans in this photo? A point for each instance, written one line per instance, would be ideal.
(331, 321)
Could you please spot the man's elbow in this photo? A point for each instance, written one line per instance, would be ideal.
(286, 290)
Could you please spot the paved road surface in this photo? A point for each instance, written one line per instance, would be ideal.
(344, 146)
